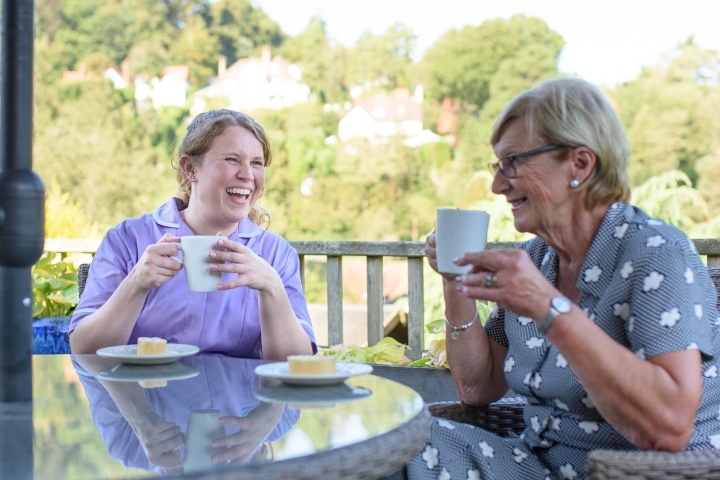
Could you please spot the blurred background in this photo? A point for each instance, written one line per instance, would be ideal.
(378, 111)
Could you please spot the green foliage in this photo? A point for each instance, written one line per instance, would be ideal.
(462, 63)
(383, 59)
(386, 351)
(54, 285)
(65, 218)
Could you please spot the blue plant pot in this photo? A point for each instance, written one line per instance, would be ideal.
(50, 335)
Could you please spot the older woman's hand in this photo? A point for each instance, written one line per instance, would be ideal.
(252, 270)
(519, 286)
(156, 266)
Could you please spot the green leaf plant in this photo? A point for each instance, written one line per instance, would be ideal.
(54, 286)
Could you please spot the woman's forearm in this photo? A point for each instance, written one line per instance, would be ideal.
(281, 333)
(652, 402)
(476, 361)
(113, 323)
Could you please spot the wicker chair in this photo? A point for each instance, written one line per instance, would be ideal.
(83, 271)
(506, 416)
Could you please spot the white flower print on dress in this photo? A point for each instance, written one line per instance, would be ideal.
(626, 270)
(430, 455)
(692, 246)
(692, 346)
(589, 427)
(670, 318)
(533, 380)
(652, 221)
(714, 441)
(698, 310)
(622, 310)
(546, 258)
(560, 404)
(535, 423)
(689, 276)
(593, 274)
(587, 401)
(567, 472)
(534, 342)
(655, 241)
(519, 455)
(631, 324)
(718, 415)
(554, 423)
(487, 450)
(509, 364)
(524, 320)
(445, 424)
(640, 353)
(620, 231)
(653, 281)
(473, 474)
(560, 361)
(711, 372)
(495, 313)
(444, 475)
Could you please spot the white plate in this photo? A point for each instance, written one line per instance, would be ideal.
(345, 370)
(128, 354)
(139, 373)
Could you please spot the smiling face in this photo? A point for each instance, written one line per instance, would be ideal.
(540, 192)
(227, 182)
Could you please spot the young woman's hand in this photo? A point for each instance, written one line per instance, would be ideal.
(252, 271)
(156, 266)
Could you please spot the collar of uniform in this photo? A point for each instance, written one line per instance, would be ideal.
(168, 215)
(597, 269)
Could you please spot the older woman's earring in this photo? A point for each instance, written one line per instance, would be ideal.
(574, 183)
(192, 177)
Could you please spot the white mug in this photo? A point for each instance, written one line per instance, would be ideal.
(197, 263)
(202, 429)
(458, 232)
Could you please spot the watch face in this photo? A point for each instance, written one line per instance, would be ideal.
(561, 304)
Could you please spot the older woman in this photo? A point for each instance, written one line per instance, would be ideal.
(606, 321)
(136, 288)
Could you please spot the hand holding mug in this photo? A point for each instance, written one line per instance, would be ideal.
(160, 440)
(156, 266)
(252, 271)
(254, 429)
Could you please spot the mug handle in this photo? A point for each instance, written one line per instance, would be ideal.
(178, 259)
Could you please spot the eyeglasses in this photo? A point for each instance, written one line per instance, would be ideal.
(506, 165)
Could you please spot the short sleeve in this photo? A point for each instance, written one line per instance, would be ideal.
(110, 265)
(495, 326)
(671, 306)
(289, 272)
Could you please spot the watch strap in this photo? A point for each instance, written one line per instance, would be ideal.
(548, 320)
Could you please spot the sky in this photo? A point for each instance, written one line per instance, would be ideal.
(606, 41)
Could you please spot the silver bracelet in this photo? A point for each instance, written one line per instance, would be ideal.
(456, 330)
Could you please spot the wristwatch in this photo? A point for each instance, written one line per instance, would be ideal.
(558, 306)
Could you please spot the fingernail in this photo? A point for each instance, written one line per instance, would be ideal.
(213, 266)
(220, 286)
(215, 444)
(460, 288)
(456, 259)
(459, 278)
(221, 242)
(213, 254)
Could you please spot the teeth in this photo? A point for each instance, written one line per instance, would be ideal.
(239, 191)
(516, 203)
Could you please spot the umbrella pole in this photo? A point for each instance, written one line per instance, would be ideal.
(22, 223)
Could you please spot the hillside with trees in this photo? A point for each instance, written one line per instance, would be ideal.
(107, 159)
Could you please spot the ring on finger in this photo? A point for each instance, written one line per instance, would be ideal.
(490, 280)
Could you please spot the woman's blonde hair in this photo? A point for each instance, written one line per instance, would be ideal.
(202, 132)
(571, 111)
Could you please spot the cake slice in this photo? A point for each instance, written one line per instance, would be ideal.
(151, 346)
(153, 383)
(311, 365)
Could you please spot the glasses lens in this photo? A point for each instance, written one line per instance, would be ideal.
(507, 167)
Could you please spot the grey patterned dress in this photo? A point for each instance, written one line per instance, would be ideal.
(643, 283)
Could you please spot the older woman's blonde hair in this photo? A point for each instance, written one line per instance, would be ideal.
(201, 133)
(571, 111)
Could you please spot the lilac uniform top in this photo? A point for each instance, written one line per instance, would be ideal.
(225, 321)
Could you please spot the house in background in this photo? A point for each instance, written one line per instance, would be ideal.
(383, 116)
(252, 83)
(119, 79)
(168, 91)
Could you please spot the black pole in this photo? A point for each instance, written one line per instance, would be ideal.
(22, 223)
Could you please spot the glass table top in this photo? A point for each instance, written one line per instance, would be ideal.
(94, 418)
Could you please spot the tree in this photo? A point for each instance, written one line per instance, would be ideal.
(462, 63)
(383, 58)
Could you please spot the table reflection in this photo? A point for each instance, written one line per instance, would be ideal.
(146, 428)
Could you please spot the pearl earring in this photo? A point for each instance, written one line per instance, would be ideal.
(192, 178)
(574, 183)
